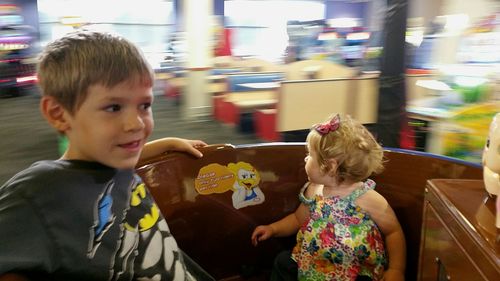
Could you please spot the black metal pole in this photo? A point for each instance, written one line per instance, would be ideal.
(392, 93)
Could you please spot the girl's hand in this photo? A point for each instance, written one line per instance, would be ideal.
(261, 233)
(393, 275)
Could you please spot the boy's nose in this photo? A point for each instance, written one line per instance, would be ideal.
(134, 122)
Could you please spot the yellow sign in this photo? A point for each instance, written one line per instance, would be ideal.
(214, 178)
(465, 133)
(241, 178)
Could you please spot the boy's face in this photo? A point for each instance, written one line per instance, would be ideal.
(111, 126)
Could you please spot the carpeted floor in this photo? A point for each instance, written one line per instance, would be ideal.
(25, 137)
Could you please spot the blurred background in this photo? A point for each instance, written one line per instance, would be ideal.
(212, 57)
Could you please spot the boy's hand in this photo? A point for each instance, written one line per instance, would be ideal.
(261, 233)
(163, 145)
(190, 146)
(393, 275)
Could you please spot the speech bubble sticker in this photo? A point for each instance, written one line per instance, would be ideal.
(214, 178)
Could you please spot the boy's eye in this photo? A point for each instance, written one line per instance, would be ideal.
(145, 106)
(113, 108)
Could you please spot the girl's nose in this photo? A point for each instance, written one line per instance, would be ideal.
(306, 158)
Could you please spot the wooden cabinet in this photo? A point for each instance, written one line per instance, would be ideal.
(459, 238)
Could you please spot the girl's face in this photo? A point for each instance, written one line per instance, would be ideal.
(313, 169)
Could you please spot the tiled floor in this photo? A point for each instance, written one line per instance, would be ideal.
(25, 137)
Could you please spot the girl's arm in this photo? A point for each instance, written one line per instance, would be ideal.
(383, 215)
(285, 227)
(290, 224)
(162, 145)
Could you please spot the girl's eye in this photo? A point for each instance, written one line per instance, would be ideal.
(113, 108)
(145, 106)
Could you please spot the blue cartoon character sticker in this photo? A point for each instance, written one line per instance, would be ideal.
(241, 178)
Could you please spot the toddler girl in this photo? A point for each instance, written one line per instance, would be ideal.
(346, 230)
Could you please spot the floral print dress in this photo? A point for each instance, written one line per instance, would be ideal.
(339, 241)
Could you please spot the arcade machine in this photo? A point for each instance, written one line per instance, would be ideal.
(303, 40)
(17, 65)
(355, 47)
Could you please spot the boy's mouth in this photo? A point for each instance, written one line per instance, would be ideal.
(134, 145)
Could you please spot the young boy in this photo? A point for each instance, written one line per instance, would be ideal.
(88, 216)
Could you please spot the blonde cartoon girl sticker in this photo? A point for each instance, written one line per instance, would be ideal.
(241, 178)
(246, 190)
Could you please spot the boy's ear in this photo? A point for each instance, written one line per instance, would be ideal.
(55, 113)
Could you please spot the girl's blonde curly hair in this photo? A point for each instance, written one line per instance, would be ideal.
(356, 151)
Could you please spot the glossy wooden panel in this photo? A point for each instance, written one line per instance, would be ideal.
(208, 227)
(453, 263)
(403, 184)
(459, 230)
(217, 236)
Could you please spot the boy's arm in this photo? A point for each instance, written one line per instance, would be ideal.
(163, 145)
(383, 215)
(13, 277)
(26, 245)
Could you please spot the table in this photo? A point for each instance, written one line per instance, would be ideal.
(261, 85)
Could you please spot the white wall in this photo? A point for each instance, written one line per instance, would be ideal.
(474, 8)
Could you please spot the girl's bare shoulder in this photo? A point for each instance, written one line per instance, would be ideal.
(312, 189)
(372, 202)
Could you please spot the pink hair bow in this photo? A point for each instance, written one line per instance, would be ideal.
(330, 126)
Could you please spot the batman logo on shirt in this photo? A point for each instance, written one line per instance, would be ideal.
(147, 251)
(147, 214)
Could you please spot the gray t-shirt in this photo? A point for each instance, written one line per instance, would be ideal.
(78, 220)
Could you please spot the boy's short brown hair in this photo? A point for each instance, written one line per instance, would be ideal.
(70, 65)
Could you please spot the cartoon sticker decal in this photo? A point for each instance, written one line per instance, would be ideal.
(246, 190)
(242, 178)
(213, 178)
